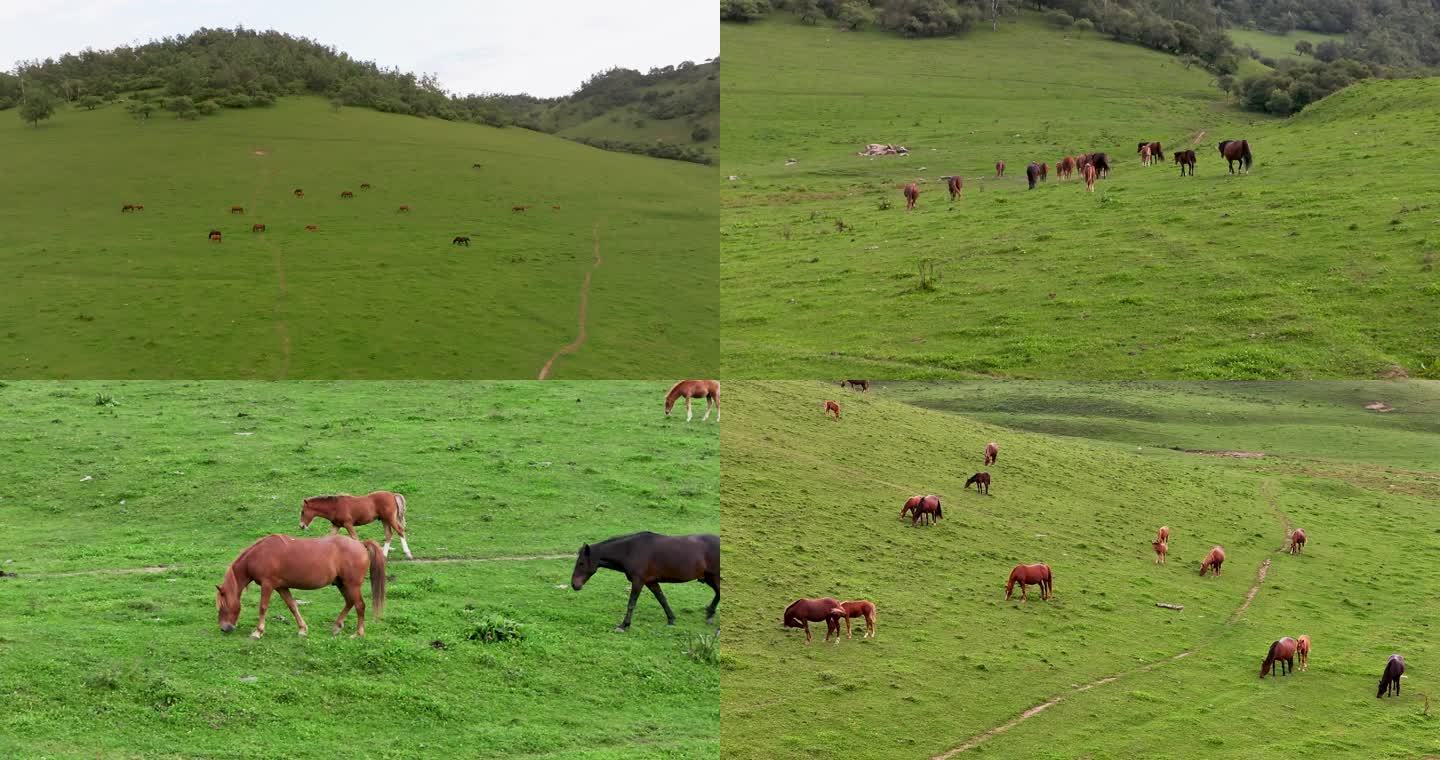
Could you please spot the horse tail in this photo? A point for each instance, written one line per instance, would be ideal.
(400, 508)
(938, 512)
(377, 577)
(1245, 153)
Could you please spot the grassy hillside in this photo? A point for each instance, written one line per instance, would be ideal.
(1318, 264)
(1279, 45)
(625, 107)
(810, 509)
(373, 293)
(504, 483)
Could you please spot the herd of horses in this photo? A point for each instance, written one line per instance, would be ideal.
(1094, 166)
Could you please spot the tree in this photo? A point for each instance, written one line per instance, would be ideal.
(854, 14)
(336, 104)
(1084, 25)
(740, 10)
(700, 133)
(183, 107)
(91, 102)
(142, 110)
(37, 106)
(1328, 51)
(1303, 47)
(808, 11)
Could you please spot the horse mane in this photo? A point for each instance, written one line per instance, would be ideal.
(621, 539)
(327, 497)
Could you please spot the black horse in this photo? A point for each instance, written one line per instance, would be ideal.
(981, 481)
(461, 240)
(1394, 668)
(1236, 152)
(650, 559)
(1032, 173)
(863, 385)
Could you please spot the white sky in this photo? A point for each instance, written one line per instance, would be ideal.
(543, 47)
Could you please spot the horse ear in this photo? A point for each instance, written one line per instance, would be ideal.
(585, 550)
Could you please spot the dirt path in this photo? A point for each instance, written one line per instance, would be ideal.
(282, 331)
(573, 346)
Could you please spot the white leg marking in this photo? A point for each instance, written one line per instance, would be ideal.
(689, 413)
(406, 546)
(385, 549)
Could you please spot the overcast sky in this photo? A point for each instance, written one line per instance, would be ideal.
(543, 47)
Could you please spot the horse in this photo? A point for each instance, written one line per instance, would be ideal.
(1236, 151)
(1088, 174)
(802, 612)
(554, 208)
(127, 207)
(650, 559)
(1161, 549)
(1044, 171)
(1297, 541)
(474, 166)
(912, 195)
(1030, 575)
(364, 185)
(860, 608)
(1163, 535)
(863, 385)
(1394, 668)
(692, 389)
(1144, 155)
(346, 194)
(922, 508)
(461, 240)
(403, 210)
(237, 209)
(832, 408)
(139, 207)
(1156, 152)
(518, 208)
(1303, 650)
(280, 563)
(992, 453)
(1185, 159)
(999, 169)
(346, 511)
(257, 228)
(215, 235)
(1065, 167)
(311, 228)
(1281, 654)
(1032, 173)
(299, 193)
(956, 187)
(981, 481)
(1101, 162)
(1213, 561)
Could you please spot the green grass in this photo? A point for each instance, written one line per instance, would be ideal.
(1280, 45)
(810, 509)
(185, 475)
(1319, 264)
(373, 294)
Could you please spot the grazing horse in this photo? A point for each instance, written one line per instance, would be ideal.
(257, 228)
(461, 240)
(364, 185)
(863, 385)
(1088, 174)
(299, 193)
(802, 612)
(860, 608)
(912, 195)
(1297, 541)
(956, 187)
(992, 453)
(832, 408)
(1304, 651)
(518, 208)
(1065, 167)
(1032, 173)
(1213, 561)
(474, 166)
(346, 511)
(924, 509)
(1281, 654)
(237, 209)
(981, 481)
(1153, 148)
(280, 563)
(692, 389)
(311, 228)
(1030, 575)
(127, 207)
(1161, 549)
(1044, 171)
(999, 169)
(1394, 668)
(215, 235)
(346, 194)
(650, 559)
(403, 210)
(1236, 152)
(1185, 159)
(139, 207)
(1144, 155)
(554, 208)
(1163, 535)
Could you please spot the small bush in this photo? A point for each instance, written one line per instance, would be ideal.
(883, 205)
(929, 273)
(704, 648)
(495, 628)
(105, 399)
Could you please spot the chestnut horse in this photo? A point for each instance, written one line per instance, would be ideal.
(1161, 549)
(981, 481)
(832, 408)
(1065, 167)
(280, 563)
(1030, 575)
(860, 608)
(299, 193)
(863, 385)
(346, 194)
(1297, 541)
(1032, 173)
(257, 228)
(1144, 155)
(311, 228)
(1213, 561)
(921, 507)
(403, 210)
(999, 169)
(802, 612)
(1185, 159)
(956, 187)
(346, 511)
(1236, 152)
(691, 389)
(1044, 171)
(1163, 535)
(237, 209)
(1281, 654)
(1394, 668)
(992, 453)
(215, 235)
(650, 559)
(1153, 148)
(364, 185)
(912, 194)
(1088, 174)
(1304, 652)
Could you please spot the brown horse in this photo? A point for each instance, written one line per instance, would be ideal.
(237, 209)
(346, 511)
(1030, 575)
(1032, 174)
(1297, 541)
(802, 612)
(1161, 549)
(139, 207)
(981, 481)
(474, 166)
(1044, 171)
(1088, 174)
(364, 185)
(127, 207)
(999, 169)
(1186, 160)
(1390, 679)
(1153, 148)
(992, 453)
(1304, 652)
(1236, 152)
(1281, 655)
(346, 194)
(257, 228)
(280, 563)
(1065, 167)
(403, 210)
(519, 208)
(461, 240)
(215, 235)
(692, 389)
(956, 187)
(924, 509)
(863, 385)
(1100, 161)
(1213, 561)
(1163, 535)
(554, 208)
(912, 195)
(860, 608)
(1144, 155)
(311, 228)
(650, 559)
(832, 408)
(299, 193)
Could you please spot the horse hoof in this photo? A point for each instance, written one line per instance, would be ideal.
(257, 634)
(621, 629)
(304, 632)
(670, 622)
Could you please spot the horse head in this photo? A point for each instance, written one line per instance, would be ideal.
(227, 604)
(584, 568)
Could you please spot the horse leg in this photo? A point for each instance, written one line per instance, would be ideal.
(635, 587)
(706, 418)
(340, 621)
(404, 545)
(847, 627)
(357, 599)
(264, 606)
(654, 587)
(386, 548)
(350, 526)
(713, 581)
(294, 610)
(688, 413)
(808, 637)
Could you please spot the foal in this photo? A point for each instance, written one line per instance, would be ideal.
(832, 408)
(860, 608)
(346, 511)
(1160, 550)
(981, 481)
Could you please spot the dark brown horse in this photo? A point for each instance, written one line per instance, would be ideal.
(1032, 173)
(992, 453)
(1186, 160)
(346, 194)
(912, 195)
(1030, 575)
(127, 207)
(461, 240)
(981, 481)
(802, 612)
(1390, 679)
(1156, 151)
(518, 208)
(1236, 152)
(956, 187)
(311, 228)
(832, 407)
(1281, 657)
(860, 608)
(364, 185)
(863, 385)
(237, 209)
(922, 509)
(1297, 541)
(403, 209)
(215, 235)
(692, 389)
(346, 511)
(1213, 561)
(1100, 161)
(1304, 652)
(257, 228)
(1044, 171)
(650, 559)
(1065, 167)
(280, 563)
(999, 169)
(299, 193)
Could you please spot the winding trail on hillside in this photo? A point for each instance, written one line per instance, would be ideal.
(574, 345)
(282, 330)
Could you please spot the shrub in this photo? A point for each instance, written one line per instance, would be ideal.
(704, 648)
(494, 628)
